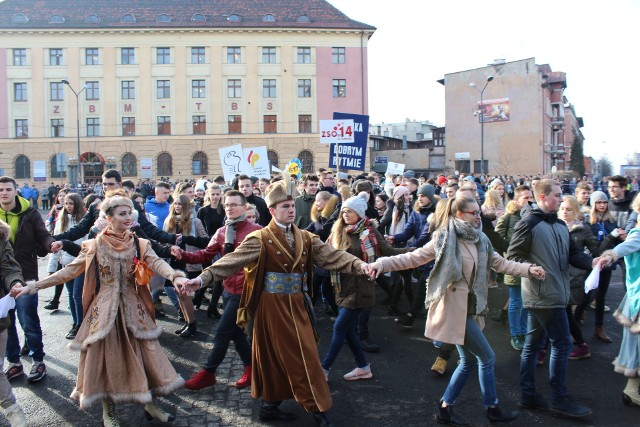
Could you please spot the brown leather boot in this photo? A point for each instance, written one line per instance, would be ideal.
(602, 335)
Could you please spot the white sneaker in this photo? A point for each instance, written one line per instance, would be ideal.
(359, 374)
(606, 307)
(326, 374)
(15, 415)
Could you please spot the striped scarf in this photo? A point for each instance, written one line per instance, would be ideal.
(368, 245)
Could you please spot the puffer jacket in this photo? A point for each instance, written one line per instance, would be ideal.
(541, 238)
(321, 223)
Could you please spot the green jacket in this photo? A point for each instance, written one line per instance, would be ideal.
(10, 271)
(303, 209)
(505, 226)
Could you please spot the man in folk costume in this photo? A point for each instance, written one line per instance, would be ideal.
(278, 262)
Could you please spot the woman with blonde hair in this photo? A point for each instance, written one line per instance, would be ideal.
(606, 231)
(499, 186)
(181, 220)
(121, 359)
(457, 294)
(492, 207)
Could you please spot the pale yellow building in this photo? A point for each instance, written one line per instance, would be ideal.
(165, 85)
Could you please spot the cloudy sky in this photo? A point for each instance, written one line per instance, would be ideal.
(417, 42)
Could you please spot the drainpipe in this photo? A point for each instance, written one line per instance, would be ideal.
(362, 66)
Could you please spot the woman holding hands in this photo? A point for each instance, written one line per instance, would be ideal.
(457, 297)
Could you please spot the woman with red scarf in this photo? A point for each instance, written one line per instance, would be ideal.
(352, 232)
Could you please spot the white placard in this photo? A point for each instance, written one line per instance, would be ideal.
(394, 168)
(40, 170)
(146, 165)
(255, 160)
(465, 155)
(231, 161)
(336, 131)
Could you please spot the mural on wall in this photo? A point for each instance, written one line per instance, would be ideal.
(495, 110)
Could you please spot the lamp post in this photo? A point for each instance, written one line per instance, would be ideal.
(481, 121)
(77, 94)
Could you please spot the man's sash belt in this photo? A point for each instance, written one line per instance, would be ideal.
(285, 283)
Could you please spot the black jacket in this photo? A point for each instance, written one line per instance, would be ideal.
(263, 210)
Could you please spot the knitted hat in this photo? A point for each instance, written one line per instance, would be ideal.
(442, 180)
(277, 194)
(409, 174)
(114, 201)
(597, 196)
(399, 191)
(358, 203)
(427, 190)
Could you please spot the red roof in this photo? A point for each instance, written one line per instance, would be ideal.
(74, 14)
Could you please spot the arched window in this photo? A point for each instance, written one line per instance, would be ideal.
(128, 18)
(268, 18)
(233, 18)
(56, 19)
(198, 17)
(129, 165)
(306, 157)
(273, 158)
(200, 164)
(303, 19)
(19, 18)
(163, 18)
(23, 167)
(57, 166)
(165, 165)
(92, 19)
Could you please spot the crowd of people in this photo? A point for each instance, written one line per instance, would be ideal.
(264, 254)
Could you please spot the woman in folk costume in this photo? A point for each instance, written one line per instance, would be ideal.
(628, 313)
(118, 329)
(457, 298)
(352, 232)
(278, 262)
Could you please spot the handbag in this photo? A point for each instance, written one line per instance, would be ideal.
(142, 272)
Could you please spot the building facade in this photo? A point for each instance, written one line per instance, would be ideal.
(525, 120)
(163, 85)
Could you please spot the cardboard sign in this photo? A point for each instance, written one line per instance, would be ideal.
(256, 162)
(340, 131)
(231, 161)
(394, 168)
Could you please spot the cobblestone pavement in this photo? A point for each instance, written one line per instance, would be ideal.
(403, 391)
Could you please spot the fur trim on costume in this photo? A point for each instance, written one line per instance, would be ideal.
(86, 402)
(5, 231)
(167, 389)
(31, 285)
(612, 253)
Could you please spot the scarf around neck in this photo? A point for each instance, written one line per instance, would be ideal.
(368, 245)
(448, 264)
(230, 233)
(117, 242)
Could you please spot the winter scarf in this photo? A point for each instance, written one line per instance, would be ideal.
(448, 265)
(230, 233)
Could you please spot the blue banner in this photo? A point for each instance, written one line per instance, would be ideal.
(353, 155)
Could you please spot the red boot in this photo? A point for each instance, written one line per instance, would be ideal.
(200, 380)
(245, 379)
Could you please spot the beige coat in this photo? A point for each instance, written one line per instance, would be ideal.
(447, 317)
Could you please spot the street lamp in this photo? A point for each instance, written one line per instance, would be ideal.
(481, 121)
(77, 94)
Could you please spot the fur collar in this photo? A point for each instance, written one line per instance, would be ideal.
(5, 231)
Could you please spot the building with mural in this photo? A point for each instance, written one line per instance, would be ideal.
(529, 125)
(162, 86)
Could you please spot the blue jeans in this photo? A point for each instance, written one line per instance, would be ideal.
(554, 324)
(344, 328)
(173, 296)
(517, 313)
(27, 310)
(226, 332)
(475, 347)
(362, 327)
(75, 298)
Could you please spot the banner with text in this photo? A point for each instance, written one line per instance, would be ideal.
(340, 131)
(351, 156)
(231, 161)
(255, 162)
(394, 168)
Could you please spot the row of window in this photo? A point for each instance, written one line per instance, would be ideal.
(163, 55)
(129, 164)
(21, 18)
(163, 89)
(199, 125)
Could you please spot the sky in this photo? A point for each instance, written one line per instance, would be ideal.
(419, 41)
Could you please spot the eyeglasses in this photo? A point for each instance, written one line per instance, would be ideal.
(474, 213)
(231, 205)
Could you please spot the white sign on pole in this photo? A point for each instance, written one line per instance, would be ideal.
(231, 161)
(39, 170)
(256, 161)
(394, 168)
(336, 131)
(146, 165)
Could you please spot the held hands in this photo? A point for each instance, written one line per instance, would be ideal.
(373, 270)
(56, 246)
(178, 283)
(189, 286)
(602, 261)
(389, 239)
(175, 252)
(20, 289)
(178, 239)
(537, 272)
